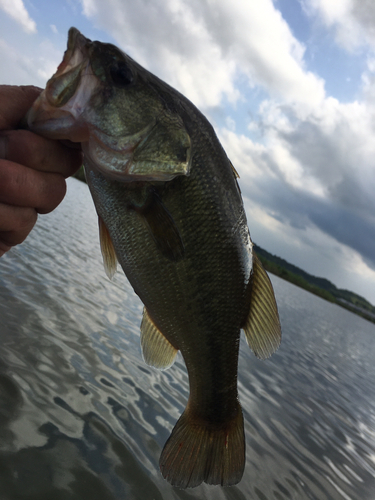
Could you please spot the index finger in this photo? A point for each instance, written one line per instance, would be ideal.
(36, 152)
(14, 103)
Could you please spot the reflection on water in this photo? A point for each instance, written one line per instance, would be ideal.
(82, 417)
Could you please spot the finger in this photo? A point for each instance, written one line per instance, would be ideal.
(39, 153)
(15, 224)
(24, 187)
(15, 102)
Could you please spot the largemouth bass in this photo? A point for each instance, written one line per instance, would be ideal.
(171, 213)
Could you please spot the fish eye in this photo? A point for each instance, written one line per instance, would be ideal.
(121, 74)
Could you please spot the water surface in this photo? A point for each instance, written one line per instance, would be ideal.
(82, 417)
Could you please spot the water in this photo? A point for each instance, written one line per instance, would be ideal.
(83, 418)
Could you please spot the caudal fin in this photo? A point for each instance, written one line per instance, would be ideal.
(198, 451)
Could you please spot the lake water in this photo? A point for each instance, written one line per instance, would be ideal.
(82, 417)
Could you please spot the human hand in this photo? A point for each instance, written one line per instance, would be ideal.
(32, 169)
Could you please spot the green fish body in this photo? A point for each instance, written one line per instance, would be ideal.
(171, 213)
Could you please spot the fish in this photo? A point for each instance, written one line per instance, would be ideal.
(171, 213)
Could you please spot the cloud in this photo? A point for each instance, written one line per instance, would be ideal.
(311, 231)
(316, 171)
(260, 40)
(314, 232)
(156, 35)
(17, 10)
(28, 65)
(11, 73)
(352, 20)
(202, 47)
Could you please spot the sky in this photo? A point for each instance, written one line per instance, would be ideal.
(289, 86)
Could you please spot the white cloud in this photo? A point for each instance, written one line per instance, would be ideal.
(352, 20)
(335, 145)
(290, 233)
(172, 41)
(313, 174)
(265, 49)
(32, 65)
(11, 73)
(328, 152)
(17, 10)
(202, 46)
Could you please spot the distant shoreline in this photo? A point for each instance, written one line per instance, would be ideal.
(318, 286)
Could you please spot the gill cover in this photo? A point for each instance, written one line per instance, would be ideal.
(159, 152)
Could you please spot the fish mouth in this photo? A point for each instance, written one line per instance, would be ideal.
(57, 112)
(76, 50)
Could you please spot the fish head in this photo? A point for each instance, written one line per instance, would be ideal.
(103, 99)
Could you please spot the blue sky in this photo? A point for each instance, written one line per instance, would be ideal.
(288, 85)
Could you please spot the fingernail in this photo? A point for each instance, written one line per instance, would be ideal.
(3, 146)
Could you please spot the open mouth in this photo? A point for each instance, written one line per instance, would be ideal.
(57, 111)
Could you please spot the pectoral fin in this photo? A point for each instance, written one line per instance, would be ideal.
(156, 349)
(108, 250)
(262, 327)
(163, 229)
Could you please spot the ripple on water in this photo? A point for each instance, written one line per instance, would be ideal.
(82, 417)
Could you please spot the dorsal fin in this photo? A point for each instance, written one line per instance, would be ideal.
(262, 327)
(108, 250)
(235, 173)
(156, 349)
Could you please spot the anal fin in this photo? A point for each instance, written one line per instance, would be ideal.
(262, 327)
(156, 349)
(108, 250)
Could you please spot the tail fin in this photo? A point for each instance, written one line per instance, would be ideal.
(198, 451)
